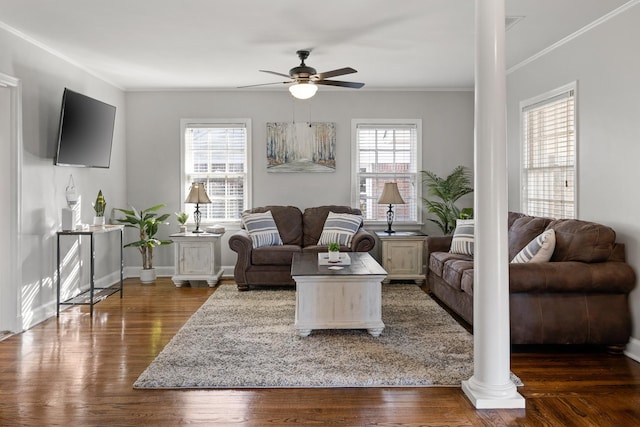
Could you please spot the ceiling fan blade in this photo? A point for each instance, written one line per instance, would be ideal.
(264, 84)
(276, 73)
(334, 73)
(353, 85)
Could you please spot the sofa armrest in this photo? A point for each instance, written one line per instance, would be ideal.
(240, 242)
(362, 241)
(571, 276)
(436, 244)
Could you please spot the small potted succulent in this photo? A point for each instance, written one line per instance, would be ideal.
(334, 252)
(99, 206)
(182, 218)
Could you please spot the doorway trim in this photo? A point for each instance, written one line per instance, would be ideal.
(11, 288)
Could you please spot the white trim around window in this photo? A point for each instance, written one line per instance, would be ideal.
(549, 153)
(387, 150)
(226, 167)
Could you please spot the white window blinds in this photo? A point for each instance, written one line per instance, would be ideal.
(549, 156)
(217, 155)
(387, 153)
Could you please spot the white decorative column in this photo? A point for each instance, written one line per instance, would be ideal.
(491, 386)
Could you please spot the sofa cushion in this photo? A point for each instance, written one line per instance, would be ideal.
(523, 230)
(437, 260)
(539, 249)
(466, 284)
(453, 270)
(313, 220)
(340, 228)
(274, 255)
(583, 241)
(462, 242)
(262, 229)
(289, 222)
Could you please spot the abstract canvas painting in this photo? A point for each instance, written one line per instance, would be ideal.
(301, 147)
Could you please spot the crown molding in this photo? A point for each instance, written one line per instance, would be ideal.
(575, 35)
(55, 53)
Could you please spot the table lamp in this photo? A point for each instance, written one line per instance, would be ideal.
(390, 196)
(197, 195)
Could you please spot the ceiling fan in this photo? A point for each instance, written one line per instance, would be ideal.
(305, 79)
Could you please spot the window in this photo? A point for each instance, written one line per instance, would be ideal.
(385, 151)
(216, 152)
(549, 154)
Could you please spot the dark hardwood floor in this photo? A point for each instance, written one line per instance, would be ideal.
(77, 371)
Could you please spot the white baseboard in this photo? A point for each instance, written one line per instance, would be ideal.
(633, 349)
(168, 271)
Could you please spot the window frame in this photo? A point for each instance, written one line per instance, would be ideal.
(248, 174)
(355, 169)
(547, 98)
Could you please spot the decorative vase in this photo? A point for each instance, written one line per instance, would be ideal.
(183, 229)
(334, 256)
(98, 220)
(148, 275)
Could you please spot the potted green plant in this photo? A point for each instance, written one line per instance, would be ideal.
(448, 190)
(99, 206)
(146, 221)
(182, 218)
(334, 252)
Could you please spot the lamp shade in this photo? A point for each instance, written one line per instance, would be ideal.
(303, 90)
(391, 195)
(197, 194)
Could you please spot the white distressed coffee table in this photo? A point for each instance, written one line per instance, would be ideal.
(347, 298)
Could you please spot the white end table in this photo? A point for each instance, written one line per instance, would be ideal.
(403, 255)
(197, 257)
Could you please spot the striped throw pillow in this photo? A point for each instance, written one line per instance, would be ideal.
(262, 229)
(462, 242)
(340, 228)
(539, 249)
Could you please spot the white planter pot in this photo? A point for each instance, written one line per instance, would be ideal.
(148, 276)
(183, 229)
(334, 256)
(98, 220)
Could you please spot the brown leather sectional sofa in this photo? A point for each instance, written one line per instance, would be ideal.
(579, 297)
(299, 232)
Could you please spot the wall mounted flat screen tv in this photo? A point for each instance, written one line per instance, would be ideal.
(85, 134)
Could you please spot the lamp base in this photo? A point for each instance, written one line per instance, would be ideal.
(390, 216)
(196, 216)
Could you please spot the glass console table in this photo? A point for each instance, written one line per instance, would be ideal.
(93, 295)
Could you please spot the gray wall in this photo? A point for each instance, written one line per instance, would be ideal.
(606, 66)
(153, 149)
(43, 78)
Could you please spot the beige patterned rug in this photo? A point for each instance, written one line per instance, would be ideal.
(247, 340)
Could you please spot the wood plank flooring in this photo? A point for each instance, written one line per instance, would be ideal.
(77, 371)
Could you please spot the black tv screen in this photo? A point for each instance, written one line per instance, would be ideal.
(85, 133)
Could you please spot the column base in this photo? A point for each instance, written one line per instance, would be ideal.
(493, 398)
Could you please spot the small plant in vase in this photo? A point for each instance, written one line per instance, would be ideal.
(99, 206)
(182, 218)
(334, 252)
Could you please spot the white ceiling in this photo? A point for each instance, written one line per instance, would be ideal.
(394, 44)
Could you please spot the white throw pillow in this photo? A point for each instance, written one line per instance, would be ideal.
(462, 242)
(539, 249)
(262, 229)
(340, 228)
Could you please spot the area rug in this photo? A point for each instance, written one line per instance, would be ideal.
(247, 340)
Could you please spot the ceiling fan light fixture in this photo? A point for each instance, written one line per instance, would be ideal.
(303, 90)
